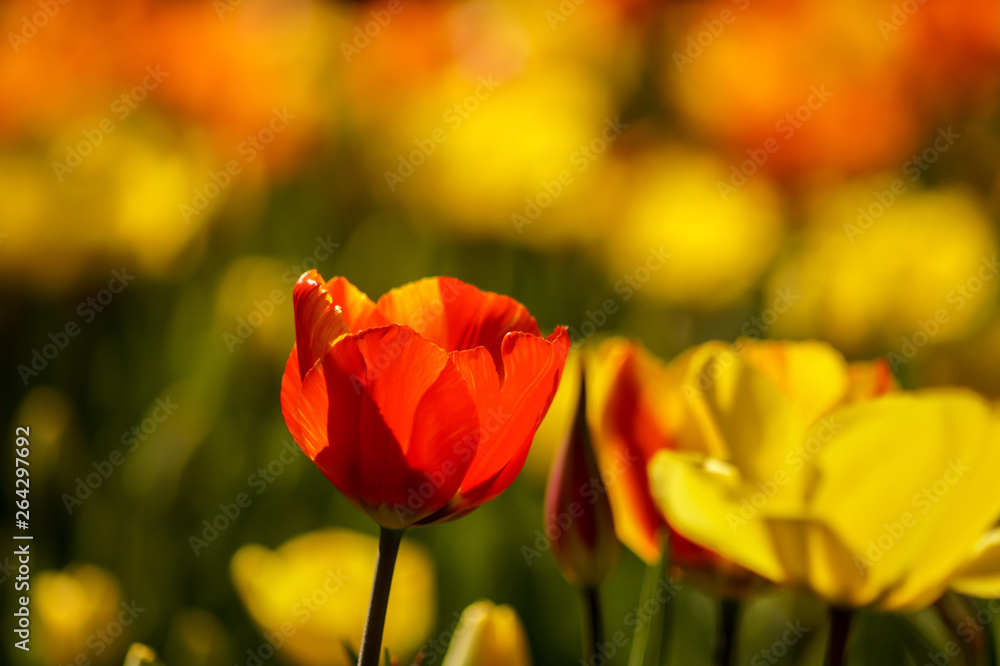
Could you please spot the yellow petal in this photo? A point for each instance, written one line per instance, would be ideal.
(814, 557)
(811, 375)
(754, 421)
(908, 482)
(703, 500)
(980, 577)
(488, 635)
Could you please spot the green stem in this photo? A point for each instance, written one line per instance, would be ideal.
(953, 611)
(665, 631)
(385, 562)
(991, 649)
(725, 633)
(593, 627)
(840, 628)
(651, 642)
(646, 640)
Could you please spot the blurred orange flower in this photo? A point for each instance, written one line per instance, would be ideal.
(858, 95)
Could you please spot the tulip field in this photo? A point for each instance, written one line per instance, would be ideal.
(482, 332)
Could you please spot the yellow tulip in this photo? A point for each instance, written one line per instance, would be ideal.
(488, 635)
(789, 470)
(633, 410)
(310, 596)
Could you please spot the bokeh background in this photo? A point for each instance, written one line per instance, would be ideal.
(674, 171)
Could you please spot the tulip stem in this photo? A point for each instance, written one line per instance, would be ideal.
(650, 645)
(385, 562)
(840, 628)
(593, 628)
(725, 632)
(953, 611)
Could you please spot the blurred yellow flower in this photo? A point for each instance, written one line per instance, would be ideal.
(141, 655)
(119, 202)
(867, 501)
(885, 268)
(488, 635)
(502, 142)
(125, 155)
(79, 611)
(310, 596)
(686, 239)
(510, 123)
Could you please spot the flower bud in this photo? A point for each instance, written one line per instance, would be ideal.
(488, 635)
(578, 518)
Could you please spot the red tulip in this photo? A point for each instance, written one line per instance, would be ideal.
(421, 406)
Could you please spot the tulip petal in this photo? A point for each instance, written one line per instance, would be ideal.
(323, 312)
(320, 318)
(291, 394)
(980, 577)
(869, 380)
(914, 529)
(812, 555)
(488, 635)
(704, 504)
(533, 368)
(626, 436)
(754, 421)
(457, 316)
(476, 366)
(358, 310)
(811, 375)
(400, 423)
